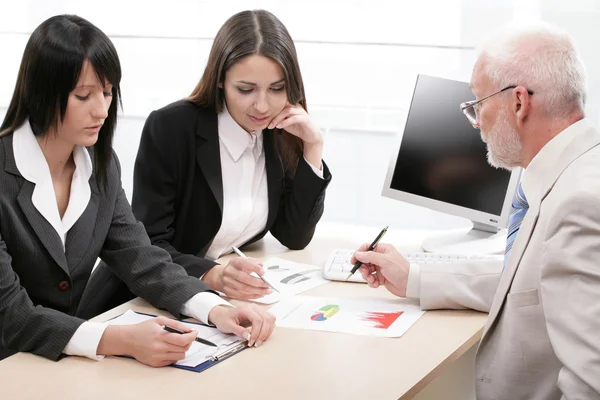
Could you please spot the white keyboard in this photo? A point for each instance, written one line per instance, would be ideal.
(337, 267)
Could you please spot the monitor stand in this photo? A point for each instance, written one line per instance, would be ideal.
(482, 239)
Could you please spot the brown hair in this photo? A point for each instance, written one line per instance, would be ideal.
(256, 32)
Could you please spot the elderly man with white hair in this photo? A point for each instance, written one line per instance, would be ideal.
(542, 337)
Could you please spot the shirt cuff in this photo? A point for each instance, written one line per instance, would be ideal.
(413, 284)
(200, 305)
(318, 172)
(85, 340)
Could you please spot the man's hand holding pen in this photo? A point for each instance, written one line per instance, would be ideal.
(383, 265)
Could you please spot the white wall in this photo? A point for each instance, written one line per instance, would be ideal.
(359, 60)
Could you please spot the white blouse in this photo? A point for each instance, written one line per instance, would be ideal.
(245, 194)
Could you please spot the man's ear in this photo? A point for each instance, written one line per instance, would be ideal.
(521, 106)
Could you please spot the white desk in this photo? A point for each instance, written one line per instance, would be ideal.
(292, 364)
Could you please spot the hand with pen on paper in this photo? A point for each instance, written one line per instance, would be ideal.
(147, 341)
(236, 281)
(154, 343)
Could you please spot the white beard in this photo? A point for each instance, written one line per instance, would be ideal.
(503, 143)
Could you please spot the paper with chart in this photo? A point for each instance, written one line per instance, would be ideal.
(289, 278)
(198, 352)
(383, 318)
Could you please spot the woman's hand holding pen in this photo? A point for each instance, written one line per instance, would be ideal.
(295, 120)
(147, 341)
(247, 322)
(235, 280)
(383, 266)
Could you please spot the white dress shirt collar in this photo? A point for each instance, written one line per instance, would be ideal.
(235, 138)
(533, 177)
(32, 165)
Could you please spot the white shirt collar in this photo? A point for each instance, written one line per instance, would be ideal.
(235, 138)
(31, 161)
(32, 165)
(29, 157)
(533, 177)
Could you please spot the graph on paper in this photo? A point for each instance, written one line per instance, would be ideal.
(360, 317)
(381, 320)
(289, 278)
(325, 312)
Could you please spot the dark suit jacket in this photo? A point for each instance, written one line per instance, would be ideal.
(41, 285)
(178, 189)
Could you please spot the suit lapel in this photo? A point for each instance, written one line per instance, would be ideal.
(521, 242)
(208, 155)
(274, 167)
(42, 228)
(582, 142)
(81, 233)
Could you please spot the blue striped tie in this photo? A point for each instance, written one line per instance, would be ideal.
(519, 209)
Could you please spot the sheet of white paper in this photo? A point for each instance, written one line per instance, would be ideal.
(289, 278)
(274, 297)
(359, 317)
(198, 352)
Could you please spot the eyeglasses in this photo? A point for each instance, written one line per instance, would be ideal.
(469, 108)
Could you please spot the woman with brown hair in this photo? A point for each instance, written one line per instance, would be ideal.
(239, 158)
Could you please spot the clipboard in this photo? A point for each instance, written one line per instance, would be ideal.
(212, 360)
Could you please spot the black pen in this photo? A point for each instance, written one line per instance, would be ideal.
(198, 339)
(371, 247)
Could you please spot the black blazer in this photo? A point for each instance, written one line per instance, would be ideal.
(178, 190)
(42, 284)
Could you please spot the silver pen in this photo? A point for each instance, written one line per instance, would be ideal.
(239, 253)
(228, 352)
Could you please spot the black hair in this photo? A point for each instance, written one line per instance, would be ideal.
(52, 63)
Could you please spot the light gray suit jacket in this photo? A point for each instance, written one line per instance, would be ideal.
(542, 337)
(41, 284)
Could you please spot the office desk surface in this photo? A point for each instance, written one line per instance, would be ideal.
(292, 364)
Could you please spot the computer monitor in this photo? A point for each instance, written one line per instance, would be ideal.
(440, 163)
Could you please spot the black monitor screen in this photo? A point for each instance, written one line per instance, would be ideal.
(442, 157)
